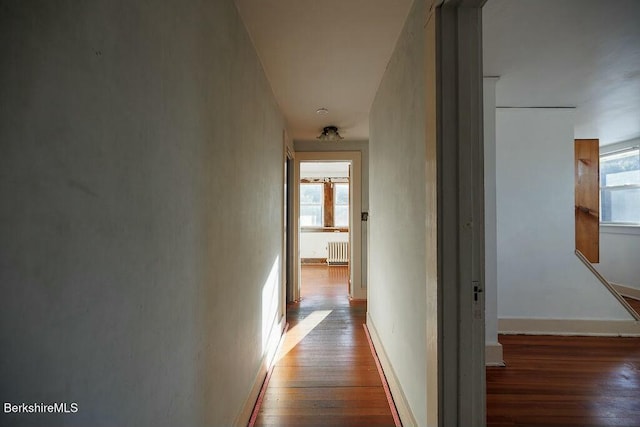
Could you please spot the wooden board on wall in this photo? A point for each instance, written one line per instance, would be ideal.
(328, 204)
(587, 198)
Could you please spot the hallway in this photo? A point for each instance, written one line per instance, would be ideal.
(325, 374)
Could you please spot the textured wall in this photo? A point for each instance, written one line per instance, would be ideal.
(316, 245)
(397, 288)
(140, 169)
(539, 275)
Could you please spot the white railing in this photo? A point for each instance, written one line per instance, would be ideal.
(607, 285)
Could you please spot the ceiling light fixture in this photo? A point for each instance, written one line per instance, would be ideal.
(322, 111)
(330, 133)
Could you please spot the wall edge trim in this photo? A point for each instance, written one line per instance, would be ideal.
(569, 327)
(493, 354)
(243, 418)
(400, 400)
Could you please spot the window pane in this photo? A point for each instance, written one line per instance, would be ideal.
(342, 194)
(622, 178)
(311, 193)
(311, 216)
(621, 205)
(341, 216)
(341, 205)
(620, 169)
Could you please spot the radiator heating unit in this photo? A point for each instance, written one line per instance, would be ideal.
(338, 253)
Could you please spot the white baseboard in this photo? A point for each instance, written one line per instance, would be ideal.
(400, 400)
(493, 354)
(275, 337)
(624, 328)
(626, 291)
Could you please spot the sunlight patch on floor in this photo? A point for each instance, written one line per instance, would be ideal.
(301, 330)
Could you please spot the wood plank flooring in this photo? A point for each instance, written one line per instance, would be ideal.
(565, 381)
(325, 374)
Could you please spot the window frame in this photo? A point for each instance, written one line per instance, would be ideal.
(608, 151)
(321, 204)
(328, 204)
(336, 204)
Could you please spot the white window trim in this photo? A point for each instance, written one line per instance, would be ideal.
(615, 228)
(619, 227)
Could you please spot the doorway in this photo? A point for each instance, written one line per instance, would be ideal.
(326, 221)
(324, 224)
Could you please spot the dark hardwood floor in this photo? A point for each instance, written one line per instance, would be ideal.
(565, 381)
(325, 374)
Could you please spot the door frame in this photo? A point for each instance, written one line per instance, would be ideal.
(357, 290)
(456, 390)
(288, 236)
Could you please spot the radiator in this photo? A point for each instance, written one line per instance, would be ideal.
(338, 253)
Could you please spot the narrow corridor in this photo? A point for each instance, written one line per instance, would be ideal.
(325, 373)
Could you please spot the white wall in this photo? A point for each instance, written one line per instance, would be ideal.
(141, 158)
(620, 255)
(315, 244)
(539, 275)
(397, 289)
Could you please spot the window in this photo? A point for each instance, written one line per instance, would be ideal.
(324, 203)
(620, 186)
(341, 205)
(311, 199)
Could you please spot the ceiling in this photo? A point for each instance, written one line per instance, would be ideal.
(324, 54)
(569, 53)
(548, 53)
